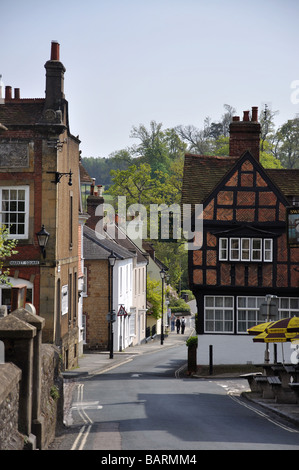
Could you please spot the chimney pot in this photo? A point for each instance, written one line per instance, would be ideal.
(245, 115)
(245, 135)
(55, 50)
(254, 114)
(17, 93)
(236, 118)
(8, 92)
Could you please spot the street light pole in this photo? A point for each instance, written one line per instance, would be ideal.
(162, 274)
(111, 259)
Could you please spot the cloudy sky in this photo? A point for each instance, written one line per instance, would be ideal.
(129, 62)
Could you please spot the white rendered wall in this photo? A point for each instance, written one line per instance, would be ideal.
(233, 349)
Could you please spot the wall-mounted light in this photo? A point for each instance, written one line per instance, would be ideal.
(59, 175)
(43, 237)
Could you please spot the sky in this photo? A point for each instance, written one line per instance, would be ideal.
(176, 62)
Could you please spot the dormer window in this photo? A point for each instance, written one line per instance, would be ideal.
(246, 249)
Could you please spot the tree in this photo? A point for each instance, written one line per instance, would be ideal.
(287, 143)
(154, 297)
(137, 184)
(267, 127)
(157, 148)
(7, 249)
(100, 168)
(205, 142)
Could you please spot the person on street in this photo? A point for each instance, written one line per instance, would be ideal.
(183, 324)
(178, 325)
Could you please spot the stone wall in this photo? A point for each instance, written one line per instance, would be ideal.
(31, 387)
(10, 438)
(51, 393)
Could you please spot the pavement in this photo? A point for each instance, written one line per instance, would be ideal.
(93, 363)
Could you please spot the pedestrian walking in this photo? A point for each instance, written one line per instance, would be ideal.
(172, 322)
(183, 324)
(178, 325)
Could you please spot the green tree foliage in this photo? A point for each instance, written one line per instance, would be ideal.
(287, 143)
(154, 297)
(100, 168)
(7, 249)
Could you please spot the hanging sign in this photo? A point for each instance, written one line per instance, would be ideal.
(293, 226)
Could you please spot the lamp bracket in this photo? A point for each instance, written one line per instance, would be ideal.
(59, 175)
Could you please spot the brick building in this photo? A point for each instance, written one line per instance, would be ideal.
(39, 186)
(129, 281)
(245, 254)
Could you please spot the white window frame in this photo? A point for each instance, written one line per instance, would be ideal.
(286, 311)
(223, 249)
(234, 250)
(250, 311)
(268, 250)
(257, 251)
(245, 250)
(211, 312)
(24, 235)
(264, 252)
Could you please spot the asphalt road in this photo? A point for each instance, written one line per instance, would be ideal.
(146, 404)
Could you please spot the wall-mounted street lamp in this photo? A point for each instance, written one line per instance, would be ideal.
(111, 259)
(43, 237)
(59, 175)
(162, 275)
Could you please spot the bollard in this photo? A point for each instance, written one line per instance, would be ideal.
(211, 359)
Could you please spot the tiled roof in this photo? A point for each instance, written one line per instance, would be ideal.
(99, 247)
(202, 173)
(84, 176)
(287, 180)
(21, 112)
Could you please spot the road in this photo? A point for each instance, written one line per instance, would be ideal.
(146, 404)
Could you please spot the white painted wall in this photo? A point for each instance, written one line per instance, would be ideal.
(237, 349)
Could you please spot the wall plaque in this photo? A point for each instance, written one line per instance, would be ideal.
(14, 155)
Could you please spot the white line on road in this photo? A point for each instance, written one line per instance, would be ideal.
(264, 415)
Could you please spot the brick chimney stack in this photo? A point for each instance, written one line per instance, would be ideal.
(245, 135)
(54, 79)
(94, 200)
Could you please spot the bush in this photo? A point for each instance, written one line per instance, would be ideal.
(192, 341)
(179, 305)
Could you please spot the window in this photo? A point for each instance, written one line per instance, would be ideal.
(248, 312)
(268, 249)
(219, 314)
(85, 280)
(234, 249)
(288, 307)
(223, 249)
(256, 251)
(246, 249)
(15, 210)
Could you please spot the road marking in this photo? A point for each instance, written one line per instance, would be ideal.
(263, 415)
(80, 406)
